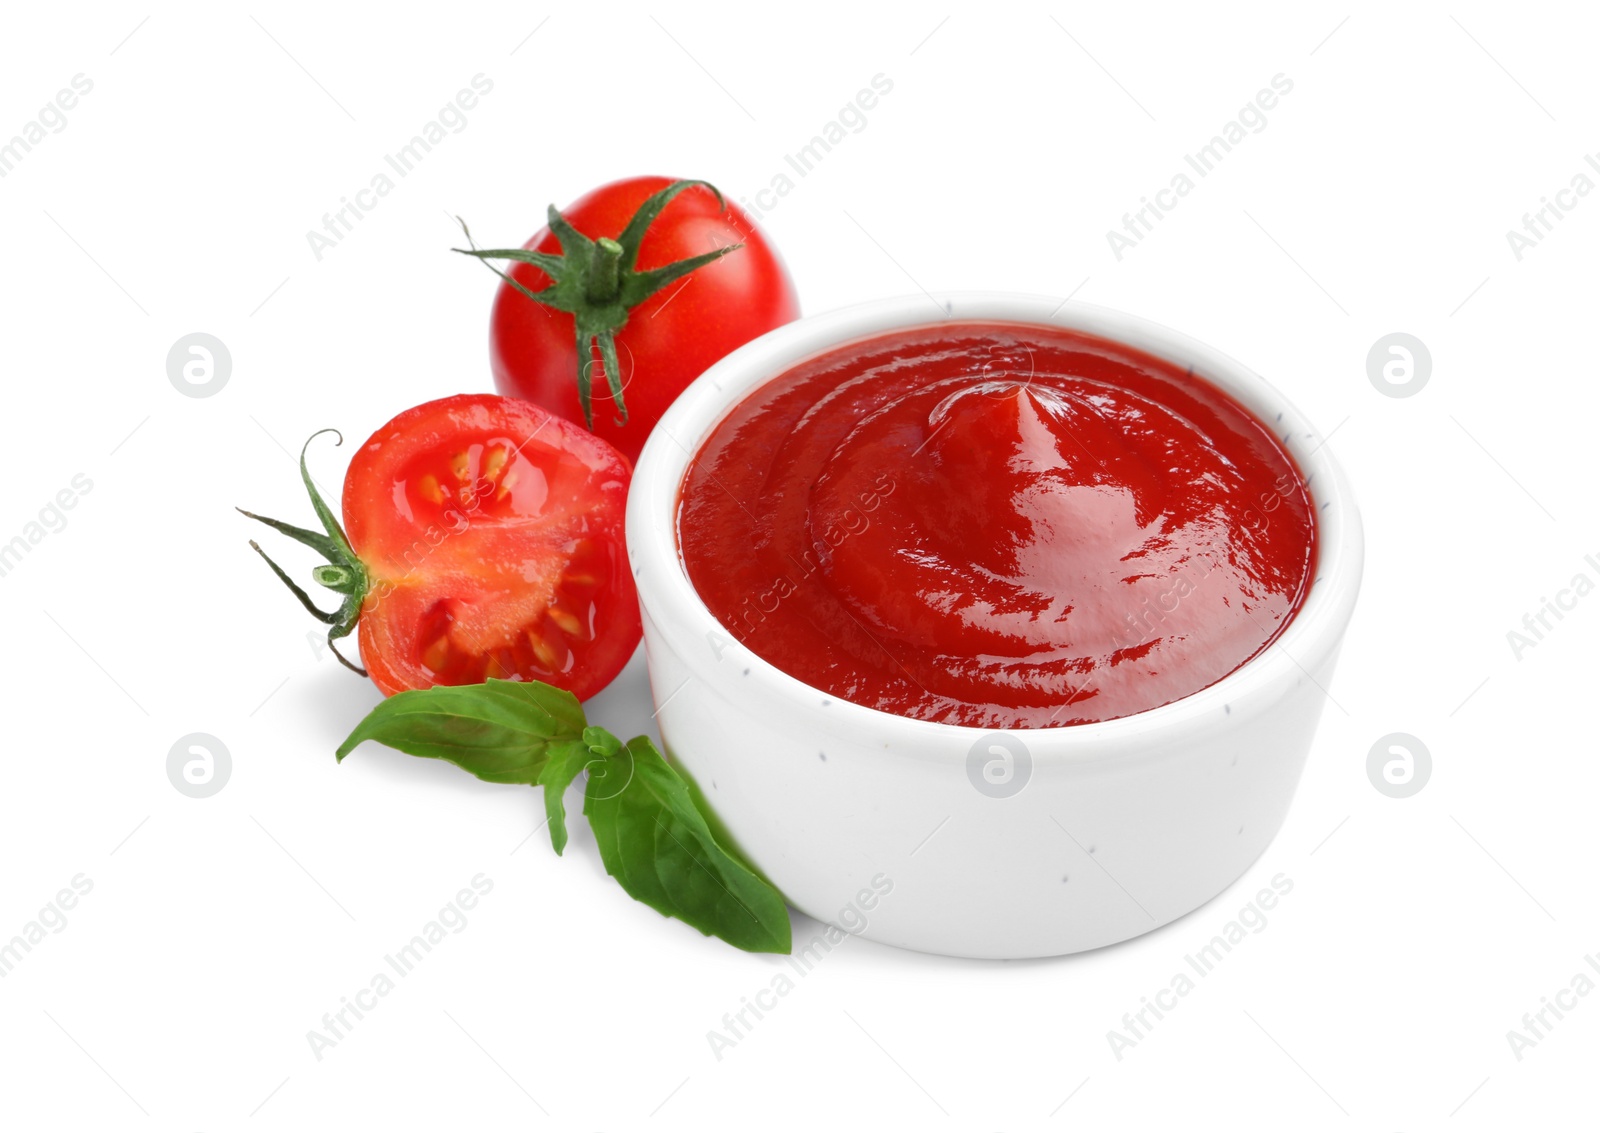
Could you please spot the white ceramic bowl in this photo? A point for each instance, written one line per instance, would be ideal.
(931, 836)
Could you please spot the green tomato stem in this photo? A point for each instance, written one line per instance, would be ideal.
(605, 280)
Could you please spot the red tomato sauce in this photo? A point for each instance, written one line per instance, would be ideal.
(997, 525)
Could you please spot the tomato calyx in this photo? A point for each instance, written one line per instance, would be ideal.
(343, 573)
(597, 283)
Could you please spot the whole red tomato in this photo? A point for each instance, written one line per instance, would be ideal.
(670, 337)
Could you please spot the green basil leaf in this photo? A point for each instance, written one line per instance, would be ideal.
(652, 836)
(560, 769)
(657, 845)
(500, 730)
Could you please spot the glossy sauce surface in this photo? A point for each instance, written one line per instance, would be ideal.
(997, 525)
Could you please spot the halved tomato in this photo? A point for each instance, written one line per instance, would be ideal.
(483, 537)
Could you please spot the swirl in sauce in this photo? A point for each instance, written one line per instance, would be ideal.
(997, 525)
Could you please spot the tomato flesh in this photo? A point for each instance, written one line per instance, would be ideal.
(492, 534)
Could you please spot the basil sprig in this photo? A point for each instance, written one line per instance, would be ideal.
(651, 833)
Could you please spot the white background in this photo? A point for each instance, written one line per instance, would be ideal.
(220, 930)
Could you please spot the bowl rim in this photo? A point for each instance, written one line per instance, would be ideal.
(668, 596)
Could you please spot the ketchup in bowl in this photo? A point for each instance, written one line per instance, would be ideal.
(997, 525)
